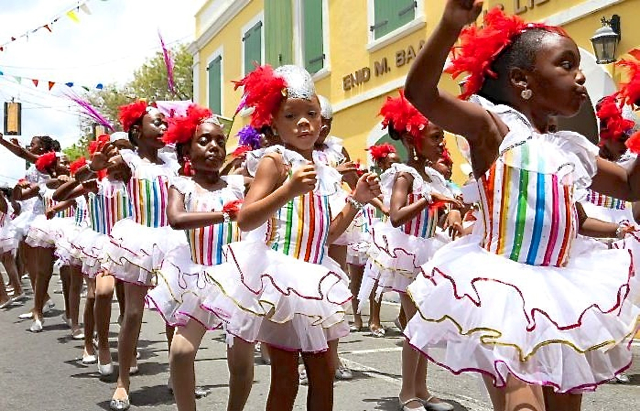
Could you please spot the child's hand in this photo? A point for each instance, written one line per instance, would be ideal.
(437, 197)
(347, 167)
(100, 159)
(459, 13)
(303, 180)
(453, 224)
(64, 178)
(50, 213)
(367, 188)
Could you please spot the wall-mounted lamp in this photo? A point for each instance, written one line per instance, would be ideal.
(605, 40)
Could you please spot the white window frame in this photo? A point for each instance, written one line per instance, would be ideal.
(218, 53)
(257, 18)
(298, 44)
(373, 44)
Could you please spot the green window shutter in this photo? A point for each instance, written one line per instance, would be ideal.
(252, 47)
(215, 85)
(278, 35)
(312, 35)
(390, 15)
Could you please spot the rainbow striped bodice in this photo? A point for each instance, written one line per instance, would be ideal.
(206, 243)
(108, 206)
(48, 203)
(424, 224)
(300, 228)
(149, 200)
(603, 200)
(529, 216)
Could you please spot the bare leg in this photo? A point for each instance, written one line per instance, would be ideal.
(119, 285)
(520, 396)
(182, 354)
(4, 297)
(88, 317)
(374, 312)
(102, 313)
(339, 254)
(355, 272)
(497, 395)
(128, 337)
(561, 402)
(284, 379)
(75, 288)
(240, 363)
(45, 259)
(9, 263)
(30, 260)
(65, 277)
(320, 371)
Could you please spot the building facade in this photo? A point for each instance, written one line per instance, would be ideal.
(359, 52)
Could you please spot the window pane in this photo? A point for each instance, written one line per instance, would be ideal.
(215, 85)
(313, 36)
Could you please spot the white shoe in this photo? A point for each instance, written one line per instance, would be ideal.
(36, 327)
(105, 369)
(404, 405)
(89, 358)
(77, 335)
(436, 406)
(6, 304)
(47, 307)
(26, 316)
(65, 319)
(19, 297)
(133, 370)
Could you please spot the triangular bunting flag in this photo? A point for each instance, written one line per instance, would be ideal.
(35, 81)
(1, 48)
(69, 84)
(99, 86)
(85, 8)
(86, 88)
(18, 79)
(1, 73)
(46, 26)
(13, 38)
(73, 16)
(51, 84)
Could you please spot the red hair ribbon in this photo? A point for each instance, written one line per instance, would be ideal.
(77, 165)
(403, 116)
(183, 128)
(45, 161)
(380, 151)
(264, 91)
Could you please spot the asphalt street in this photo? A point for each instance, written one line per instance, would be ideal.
(43, 371)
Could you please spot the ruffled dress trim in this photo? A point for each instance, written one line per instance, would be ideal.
(566, 327)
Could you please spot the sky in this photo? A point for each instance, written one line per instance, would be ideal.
(106, 46)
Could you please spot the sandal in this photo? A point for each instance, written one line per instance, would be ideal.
(436, 406)
(378, 332)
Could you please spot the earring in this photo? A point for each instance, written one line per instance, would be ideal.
(526, 93)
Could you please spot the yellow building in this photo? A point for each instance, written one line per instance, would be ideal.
(359, 51)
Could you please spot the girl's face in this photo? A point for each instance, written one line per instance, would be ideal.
(152, 128)
(556, 80)
(390, 159)
(442, 167)
(431, 145)
(36, 146)
(612, 150)
(62, 166)
(207, 148)
(298, 123)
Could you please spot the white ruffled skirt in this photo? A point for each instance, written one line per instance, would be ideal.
(9, 238)
(135, 252)
(270, 297)
(568, 328)
(45, 233)
(395, 259)
(90, 246)
(181, 288)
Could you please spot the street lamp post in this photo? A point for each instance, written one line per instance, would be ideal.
(605, 40)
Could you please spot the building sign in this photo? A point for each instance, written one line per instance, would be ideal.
(521, 6)
(381, 67)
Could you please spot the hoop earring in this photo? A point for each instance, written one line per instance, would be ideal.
(526, 93)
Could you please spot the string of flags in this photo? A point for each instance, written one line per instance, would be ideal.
(72, 13)
(50, 84)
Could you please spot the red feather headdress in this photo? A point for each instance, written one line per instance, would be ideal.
(183, 128)
(264, 91)
(131, 113)
(240, 151)
(45, 161)
(612, 125)
(630, 90)
(380, 151)
(96, 145)
(77, 165)
(633, 143)
(480, 46)
(403, 116)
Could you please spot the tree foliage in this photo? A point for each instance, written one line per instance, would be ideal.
(149, 82)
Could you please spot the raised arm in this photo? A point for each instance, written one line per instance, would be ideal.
(181, 219)
(17, 149)
(23, 192)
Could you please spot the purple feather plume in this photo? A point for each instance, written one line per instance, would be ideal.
(249, 136)
(168, 61)
(91, 111)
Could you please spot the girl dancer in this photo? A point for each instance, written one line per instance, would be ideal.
(204, 205)
(409, 239)
(572, 326)
(8, 247)
(107, 203)
(140, 242)
(291, 294)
